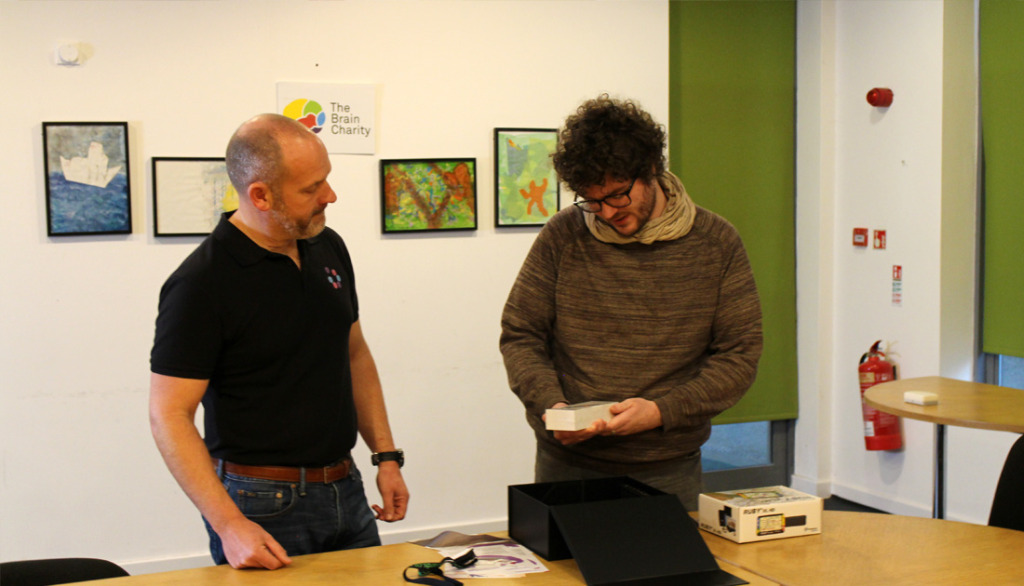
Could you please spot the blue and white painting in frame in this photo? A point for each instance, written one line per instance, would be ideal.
(88, 190)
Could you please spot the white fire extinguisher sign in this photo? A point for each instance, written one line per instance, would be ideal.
(897, 284)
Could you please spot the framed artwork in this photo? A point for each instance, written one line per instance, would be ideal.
(419, 195)
(88, 187)
(525, 184)
(190, 194)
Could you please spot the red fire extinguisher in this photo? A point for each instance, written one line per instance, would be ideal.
(881, 430)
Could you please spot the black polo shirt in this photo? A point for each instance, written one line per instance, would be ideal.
(273, 341)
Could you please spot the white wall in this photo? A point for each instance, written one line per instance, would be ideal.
(887, 177)
(815, 218)
(910, 170)
(78, 470)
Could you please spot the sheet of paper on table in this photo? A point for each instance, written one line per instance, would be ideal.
(497, 557)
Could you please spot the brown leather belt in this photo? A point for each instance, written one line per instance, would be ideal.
(326, 474)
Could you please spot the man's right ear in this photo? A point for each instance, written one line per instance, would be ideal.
(259, 194)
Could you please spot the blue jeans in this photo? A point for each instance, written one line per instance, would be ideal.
(310, 518)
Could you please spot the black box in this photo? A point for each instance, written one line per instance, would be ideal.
(529, 509)
(619, 531)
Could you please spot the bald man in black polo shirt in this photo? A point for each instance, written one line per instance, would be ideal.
(261, 324)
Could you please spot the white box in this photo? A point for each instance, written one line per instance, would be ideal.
(578, 416)
(757, 514)
(920, 398)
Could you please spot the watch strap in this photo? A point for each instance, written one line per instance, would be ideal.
(393, 456)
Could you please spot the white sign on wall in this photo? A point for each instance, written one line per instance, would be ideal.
(342, 115)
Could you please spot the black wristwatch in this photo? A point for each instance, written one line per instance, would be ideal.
(395, 456)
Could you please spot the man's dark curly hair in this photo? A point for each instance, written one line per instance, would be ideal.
(609, 138)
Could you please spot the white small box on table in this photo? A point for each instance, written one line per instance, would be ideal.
(920, 398)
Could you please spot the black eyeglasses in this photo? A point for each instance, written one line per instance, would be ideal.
(616, 200)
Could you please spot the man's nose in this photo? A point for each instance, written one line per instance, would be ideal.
(331, 196)
(606, 212)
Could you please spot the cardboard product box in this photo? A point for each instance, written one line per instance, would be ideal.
(757, 514)
(618, 530)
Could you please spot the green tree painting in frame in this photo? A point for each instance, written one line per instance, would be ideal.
(525, 184)
(87, 178)
(424, 195)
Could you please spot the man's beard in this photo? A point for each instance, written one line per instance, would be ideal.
(299, 230)
(642, 214)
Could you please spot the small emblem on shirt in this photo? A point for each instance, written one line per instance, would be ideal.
(333, 277)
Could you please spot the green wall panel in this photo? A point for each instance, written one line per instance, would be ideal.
(732, 94)
(1001, 42)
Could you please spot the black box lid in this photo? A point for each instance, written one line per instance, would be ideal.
(643, 541)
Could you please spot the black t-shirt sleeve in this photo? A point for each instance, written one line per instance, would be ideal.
(187, 339)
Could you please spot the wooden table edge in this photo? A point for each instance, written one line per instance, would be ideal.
(930, 413)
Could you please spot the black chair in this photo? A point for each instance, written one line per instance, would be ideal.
(1008, 503)
(57, 571)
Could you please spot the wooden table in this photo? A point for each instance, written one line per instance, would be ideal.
(369, 566)
(961, 403)
(853, 549)
(870, 548)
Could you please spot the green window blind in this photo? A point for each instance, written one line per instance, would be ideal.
(732, 94)
(1001, 46)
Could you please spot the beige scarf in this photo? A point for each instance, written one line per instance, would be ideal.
(674, 222)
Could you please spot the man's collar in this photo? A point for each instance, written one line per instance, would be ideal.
(241, 247)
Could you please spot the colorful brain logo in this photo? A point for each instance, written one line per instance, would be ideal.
(308, 112)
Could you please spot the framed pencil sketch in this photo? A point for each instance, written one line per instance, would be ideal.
(88, 187)
(190, 194)
(525, 184)
(419, 195)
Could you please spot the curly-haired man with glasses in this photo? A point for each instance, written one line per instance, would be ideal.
(634, 295)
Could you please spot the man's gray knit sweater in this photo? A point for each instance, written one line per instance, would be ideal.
(677, 322)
